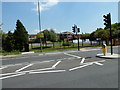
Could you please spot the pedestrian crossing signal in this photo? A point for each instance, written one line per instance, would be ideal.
(73, 28)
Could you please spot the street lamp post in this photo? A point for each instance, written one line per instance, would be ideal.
(39, 24)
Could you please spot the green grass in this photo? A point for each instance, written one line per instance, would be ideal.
(10, 53)
(60, 49)
(50, 48)
(53, 49)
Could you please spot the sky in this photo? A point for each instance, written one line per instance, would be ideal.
(60, 16)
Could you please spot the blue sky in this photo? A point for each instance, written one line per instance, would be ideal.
(60, 16)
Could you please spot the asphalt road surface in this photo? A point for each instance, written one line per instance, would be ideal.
(66, 70)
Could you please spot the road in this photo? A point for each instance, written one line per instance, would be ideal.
(66, 70)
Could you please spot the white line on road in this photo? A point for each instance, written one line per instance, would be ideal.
(80, 67)
(23, 68)
(12, 76)
(48, 71)
(3, 67)
(92, 62)
(56, 64)
(83, 59)
(72, 55)
(38, 70)
(25, 71)
(98, 63)
(9, 73)
(35, 62)
(87, 64)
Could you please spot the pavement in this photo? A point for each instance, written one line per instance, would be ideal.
(108, 56)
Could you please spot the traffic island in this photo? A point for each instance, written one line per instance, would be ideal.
(108, 56)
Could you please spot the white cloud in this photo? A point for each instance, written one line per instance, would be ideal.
(45, 4)
(36, 31)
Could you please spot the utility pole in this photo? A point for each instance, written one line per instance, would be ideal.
(39, 16)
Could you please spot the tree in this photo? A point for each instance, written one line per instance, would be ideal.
(84, 37)
(116, 30)
(20, 36)
(46, 36)
(49, 35)
(92, 37)
(53, 36)
(1, 32)
(103, 34)
(8, 44)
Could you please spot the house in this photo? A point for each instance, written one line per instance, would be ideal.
(67, 36)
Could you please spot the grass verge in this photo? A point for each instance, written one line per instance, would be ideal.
(37, 49)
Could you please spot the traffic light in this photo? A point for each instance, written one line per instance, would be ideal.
(78, 29)
(107, 20)
(73, 28)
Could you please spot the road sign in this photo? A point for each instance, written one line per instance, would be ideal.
(41, 35)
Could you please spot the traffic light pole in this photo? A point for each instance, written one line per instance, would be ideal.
(78, 41)
(82, 41)
(78, 44)
(107, 19)
(76, 30)
(111, 37)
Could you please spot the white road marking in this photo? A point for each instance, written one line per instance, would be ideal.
(92, 62)
(34, 62)
(3, 67)
(12, 76)
(38, 70)
(23, 68)
(87, 64)
(9, 73)
(56, 64)
(25, 71)
(17, 73)
(83, 59)
(80, 67)
(98, 63)
(48, 71)
(72, 55)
